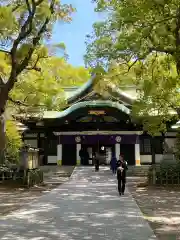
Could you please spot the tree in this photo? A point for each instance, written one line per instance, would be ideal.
(38, 91)
(24, 24)
(43, 91)
(158, 102)
(14, 141)
(142, 37)
(66, 74)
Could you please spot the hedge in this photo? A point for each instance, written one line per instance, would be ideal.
(26, 178)
(165, 174)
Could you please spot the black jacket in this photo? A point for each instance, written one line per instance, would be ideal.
(122, 174)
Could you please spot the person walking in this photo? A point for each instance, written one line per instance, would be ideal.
(121, 174)
(113, 163)
(97, 162)
(86, 157)
(81, 154)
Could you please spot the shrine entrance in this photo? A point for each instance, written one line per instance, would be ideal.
(104, 150)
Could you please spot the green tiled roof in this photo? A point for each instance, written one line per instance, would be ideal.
(75, 94)
(94, 103)
(84, 89)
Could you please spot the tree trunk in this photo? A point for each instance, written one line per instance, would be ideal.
(2, 139)
(153, 151)
(4, 90)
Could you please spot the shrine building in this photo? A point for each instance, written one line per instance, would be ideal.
(98, 122)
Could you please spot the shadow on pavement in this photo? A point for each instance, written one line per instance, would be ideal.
(87, 207)
(161, 207)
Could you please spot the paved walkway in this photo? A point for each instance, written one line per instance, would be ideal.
(85, 208)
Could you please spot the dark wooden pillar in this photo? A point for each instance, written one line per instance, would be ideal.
(163, 141)
(38, 146)
(38, 139)
(46, 142)
(153, 151)
(23, 136)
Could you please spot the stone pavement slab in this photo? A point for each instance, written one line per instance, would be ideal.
(87, 207)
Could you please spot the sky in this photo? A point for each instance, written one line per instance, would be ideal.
(73, 34)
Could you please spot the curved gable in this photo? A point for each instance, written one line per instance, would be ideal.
(88, 87)
(77, 107)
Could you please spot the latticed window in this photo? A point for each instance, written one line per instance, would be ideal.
(145, 146)
(52, 146)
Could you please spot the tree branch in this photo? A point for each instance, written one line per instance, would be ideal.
(34, 67)
(22, 35)
(20, 103)
(28, 6)
(35, 41)
(162, 50)
(17, 102)
(177, 37)
(130, 66)
(16, 6)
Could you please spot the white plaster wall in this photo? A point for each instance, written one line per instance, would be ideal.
(78, 148)
(59, 152)
(171, 134)
(30, 135)
(32, 142)
(146, 158)
(117, 150)
(52, 159)
(137, 152)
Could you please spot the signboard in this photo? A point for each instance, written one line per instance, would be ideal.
(97, 112)
(57, 133)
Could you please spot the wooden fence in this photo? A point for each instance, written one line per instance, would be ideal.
(166, 176)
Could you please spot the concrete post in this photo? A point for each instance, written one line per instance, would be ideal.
(117, 150)
(137, 154)
(59, 154)
(78, 148)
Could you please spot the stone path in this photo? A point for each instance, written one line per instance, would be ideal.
(85, 208)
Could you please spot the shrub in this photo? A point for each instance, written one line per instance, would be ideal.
(165, 174)
(13, 142)
(33, 177)
(177, 152)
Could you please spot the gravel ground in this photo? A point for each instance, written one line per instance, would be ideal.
(160, 206)
(13, 198)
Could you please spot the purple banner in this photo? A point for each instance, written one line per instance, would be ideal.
(94, 139)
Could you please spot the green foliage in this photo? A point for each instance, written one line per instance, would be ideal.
(40, 91)
(139, 44)
(14, 13)
(165, 174)
(24, 26)
(177, 147)
(133, 29)
(158, 102)
(4, 169)
(33, 177)
(13, 142)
